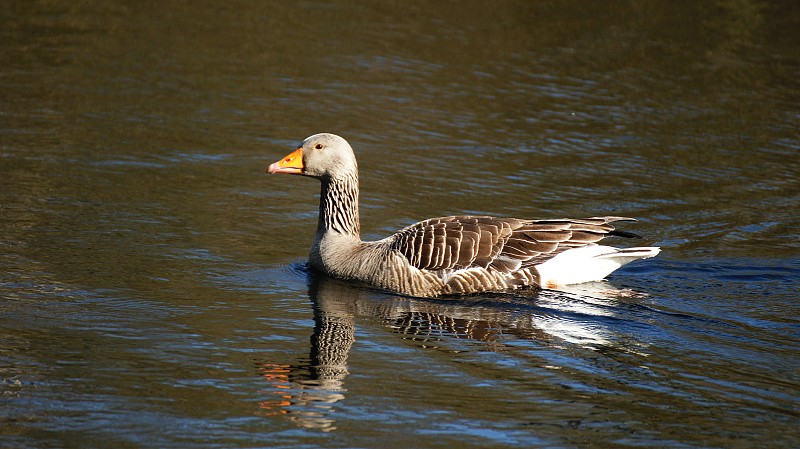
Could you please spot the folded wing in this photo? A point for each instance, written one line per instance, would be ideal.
(502, 244)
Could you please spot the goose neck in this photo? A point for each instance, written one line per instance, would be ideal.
(338, 207)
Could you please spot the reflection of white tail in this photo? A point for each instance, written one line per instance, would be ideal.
(588, 263)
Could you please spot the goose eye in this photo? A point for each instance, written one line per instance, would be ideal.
(318, 146)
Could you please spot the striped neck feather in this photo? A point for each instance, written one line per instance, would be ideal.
(338, 206)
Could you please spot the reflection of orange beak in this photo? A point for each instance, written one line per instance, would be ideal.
(291, 164)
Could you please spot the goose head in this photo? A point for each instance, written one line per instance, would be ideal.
(322, 156)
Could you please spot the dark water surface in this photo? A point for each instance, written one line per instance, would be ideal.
(153, 289)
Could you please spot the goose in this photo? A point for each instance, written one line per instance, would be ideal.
(453, 255)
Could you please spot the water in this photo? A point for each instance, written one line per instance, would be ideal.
(153, 287)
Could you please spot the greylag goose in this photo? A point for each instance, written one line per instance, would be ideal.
(447, 255)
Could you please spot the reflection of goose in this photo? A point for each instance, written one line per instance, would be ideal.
(307, 392)
(448, 255)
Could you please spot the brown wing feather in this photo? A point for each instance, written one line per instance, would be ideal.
(540, 240)
(504, 243)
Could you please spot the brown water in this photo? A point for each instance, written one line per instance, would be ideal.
(153, 289)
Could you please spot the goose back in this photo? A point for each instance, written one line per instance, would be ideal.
(481, 253)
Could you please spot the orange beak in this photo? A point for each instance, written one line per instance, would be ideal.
(291, 164)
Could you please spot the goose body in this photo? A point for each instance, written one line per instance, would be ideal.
(447, 255)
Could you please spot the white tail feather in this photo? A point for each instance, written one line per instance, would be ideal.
(588, 263)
